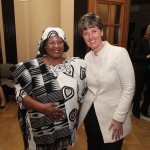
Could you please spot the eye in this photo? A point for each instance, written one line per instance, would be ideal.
(60, 43)
(94, 31)
(51, 43)
(85, 33)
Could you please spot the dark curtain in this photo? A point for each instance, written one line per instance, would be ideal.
(80, 8)
(9, 30)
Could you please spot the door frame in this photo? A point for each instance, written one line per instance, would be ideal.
(125, 12)
(80, 48)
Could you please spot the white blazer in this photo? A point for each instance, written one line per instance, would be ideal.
(111, 84)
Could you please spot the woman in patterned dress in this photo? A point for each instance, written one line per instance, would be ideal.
(50, 87)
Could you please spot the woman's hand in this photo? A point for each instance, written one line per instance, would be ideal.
(52, 110)
(49, 109)
(117, 129)
(148, 56)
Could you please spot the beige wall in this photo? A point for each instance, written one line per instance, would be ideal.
(32, 16)
(67, 22)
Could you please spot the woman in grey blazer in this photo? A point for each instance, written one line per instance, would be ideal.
(111, 84)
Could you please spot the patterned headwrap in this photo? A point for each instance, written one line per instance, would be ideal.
(50, 32)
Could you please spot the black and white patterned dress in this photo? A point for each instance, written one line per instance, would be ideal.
(63, 84)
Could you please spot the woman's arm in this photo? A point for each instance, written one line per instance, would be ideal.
(125, 72)
(126, 76)
(140, 52)
(49, 109)
(26, 101)
(24, 92)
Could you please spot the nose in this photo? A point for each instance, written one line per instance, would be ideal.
(56, 44)
(90, 35)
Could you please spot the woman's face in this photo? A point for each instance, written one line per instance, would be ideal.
(54, 47)
(93, 38)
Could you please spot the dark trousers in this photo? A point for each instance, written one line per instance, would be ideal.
(146, 102)
(94, 135)
(142, 80)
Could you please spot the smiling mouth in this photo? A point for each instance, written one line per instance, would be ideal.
(92, 41)
(56, 51)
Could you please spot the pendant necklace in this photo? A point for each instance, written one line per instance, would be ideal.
(54, 64)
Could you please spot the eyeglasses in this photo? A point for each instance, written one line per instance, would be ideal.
(53, 43)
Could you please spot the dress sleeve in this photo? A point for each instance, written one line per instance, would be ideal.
(22, 81)
(81, 69)
(20, 94)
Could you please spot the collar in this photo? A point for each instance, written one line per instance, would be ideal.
(102, 51)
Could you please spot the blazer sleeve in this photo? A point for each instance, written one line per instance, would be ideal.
(125, 72)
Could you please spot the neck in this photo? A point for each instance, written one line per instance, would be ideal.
(99, 48)
(54, 62)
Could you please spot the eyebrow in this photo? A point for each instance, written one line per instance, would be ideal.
(55, 40)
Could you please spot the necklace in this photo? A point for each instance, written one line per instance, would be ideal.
(54, 62)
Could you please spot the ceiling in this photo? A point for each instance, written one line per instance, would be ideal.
(139, 2)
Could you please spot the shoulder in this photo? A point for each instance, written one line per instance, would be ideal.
(88, 55)
(141, 42)
(28, 64)
(22, 68)
(116, 54)
(144, 41)
(118, 50)
(77, 61)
